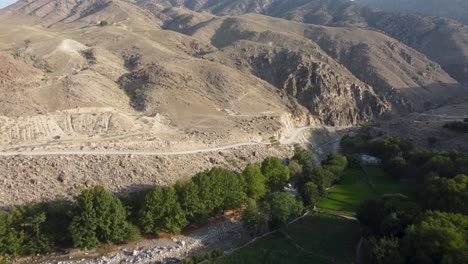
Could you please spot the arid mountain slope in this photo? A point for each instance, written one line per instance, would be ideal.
(281, 51)
(232, 75)
(159, 79)
(144, 83)
(443, 41)
(57, 12)
(453, 9)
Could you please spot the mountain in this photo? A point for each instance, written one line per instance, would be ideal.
(127, 76)
(453, 9)
(280, 56)
(442, 40)
(171, 74)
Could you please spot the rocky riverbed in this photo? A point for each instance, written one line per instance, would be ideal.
(224, 234)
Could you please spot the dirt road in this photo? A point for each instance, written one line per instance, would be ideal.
(291, 139)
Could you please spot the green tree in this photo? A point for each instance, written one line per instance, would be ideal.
(276, 172)
(255, 182)
(233, 187)
(58, 219)
(84, 224)
(322, 177)
(387, 216)
(390, 147)
(211, 190)
(295, 169)
(283, 208)
(220, 190)
(381, 251)
(161, 212)
(438, 238)
(304, 158)
(32, 222)
(112, 225)
(98, 217)
(190, 202)
(310, 194)
(11, 236)
(335, 163)
(441, 165)
(396, 166)
(254, 220)
(449, 195)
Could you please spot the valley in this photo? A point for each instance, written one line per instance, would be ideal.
(136, 95)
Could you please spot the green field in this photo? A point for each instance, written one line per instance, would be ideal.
(353, 189)
(323, 239)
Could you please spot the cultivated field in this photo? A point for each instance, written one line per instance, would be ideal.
(294, 244)
(354, 188)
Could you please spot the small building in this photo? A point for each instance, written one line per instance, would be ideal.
(368, 159)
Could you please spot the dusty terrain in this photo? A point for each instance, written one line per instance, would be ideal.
(426, 130)
(164, 89)
(48, 175)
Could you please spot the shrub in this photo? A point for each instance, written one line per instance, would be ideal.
(134, 233)
(103, 23)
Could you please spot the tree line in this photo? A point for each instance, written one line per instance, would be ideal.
(428, 227)
(97, 216)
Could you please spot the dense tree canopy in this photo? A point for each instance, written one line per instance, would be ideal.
(438, 238)
(388, 216)
(384, 250)
(448, 195)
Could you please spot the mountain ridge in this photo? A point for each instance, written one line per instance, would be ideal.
(335, 74)
(422, 33)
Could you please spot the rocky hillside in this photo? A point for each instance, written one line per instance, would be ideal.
(105, 77)
(443, 41)
(288, 55)
(453, 9)
(199, 70)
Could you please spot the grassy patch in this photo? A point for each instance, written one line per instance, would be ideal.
(353, 189)
(324, 239)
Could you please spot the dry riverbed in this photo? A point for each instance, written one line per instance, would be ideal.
(224, 234)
